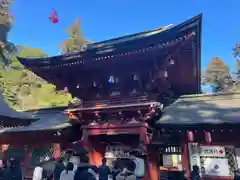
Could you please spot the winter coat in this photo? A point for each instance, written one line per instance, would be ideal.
(14, 173)
(103, 172)
(85, 172)
(115, 172)
(236, 175)
(195, 176)
(37, 173)
(67, 175)
(59, 168)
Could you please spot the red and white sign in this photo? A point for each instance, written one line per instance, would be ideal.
(212, 151)
(190, 136)
(208, 137)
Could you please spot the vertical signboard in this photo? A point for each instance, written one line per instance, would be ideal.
(194, 156)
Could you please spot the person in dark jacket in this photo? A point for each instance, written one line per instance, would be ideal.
(104, 170)
(59, 168)
(236, 175)
(195, 174)
(85, 172)
(14, 172)
(116, 170)
(5, 169)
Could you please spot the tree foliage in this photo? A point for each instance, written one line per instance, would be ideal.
(24, 90)
(29, 52)
(21, 88)
(216, 69)
(75, 42)
(236, 51)
(217, 73)
(7, 49)
(5, 19)
(238, 66)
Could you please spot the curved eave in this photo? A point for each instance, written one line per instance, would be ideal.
(137, 39)
(46, 122)
(8, 113)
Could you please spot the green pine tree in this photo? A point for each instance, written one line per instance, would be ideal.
(7, 49)
(75, 42)
(217, 73)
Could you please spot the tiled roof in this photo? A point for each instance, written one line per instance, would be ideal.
(6, 111)
(47, 121)
(197, 109)
(117, 45)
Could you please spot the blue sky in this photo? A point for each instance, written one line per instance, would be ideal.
(107, 19)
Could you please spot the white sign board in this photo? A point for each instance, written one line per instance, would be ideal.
(194, 157)
(216, 166)
(212, 151)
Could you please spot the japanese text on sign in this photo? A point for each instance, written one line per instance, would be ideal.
(213, 151)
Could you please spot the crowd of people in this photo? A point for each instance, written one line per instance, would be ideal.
(69, 168)
(74, 169)
(11, 170)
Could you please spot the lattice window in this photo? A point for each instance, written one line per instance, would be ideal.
(231, 159)
(40, 155)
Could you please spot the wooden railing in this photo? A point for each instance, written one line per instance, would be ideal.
(117, 101)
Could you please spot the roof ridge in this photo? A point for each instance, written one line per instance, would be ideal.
(209, 97)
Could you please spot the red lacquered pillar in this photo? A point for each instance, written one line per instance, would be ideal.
(152, 170)
(57, 151)
(185, 159)
(94, 154)
(151, 164)
(26, 162)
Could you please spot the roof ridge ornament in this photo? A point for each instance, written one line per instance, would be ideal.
(84, 46)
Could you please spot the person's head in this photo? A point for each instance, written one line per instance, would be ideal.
(84, 158)
(130, 166)
(60, 160)
(13, 162)
(104, 161)
(116, 165)
(75, 160)
(196, 168)
(69, 167)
